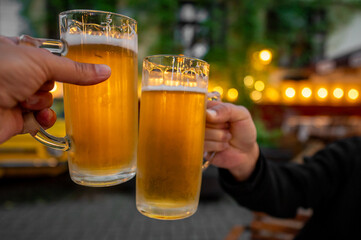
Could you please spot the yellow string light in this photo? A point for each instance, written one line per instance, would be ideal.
(306, 92)
(338, 93)
(322, 93)
(290, 92)
(353, 94)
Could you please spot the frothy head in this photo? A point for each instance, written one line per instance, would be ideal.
(174, 88)
(130, 43)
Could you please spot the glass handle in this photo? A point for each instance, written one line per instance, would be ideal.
(33, 127)
(212, 96)
(54, 46)
(209, 161)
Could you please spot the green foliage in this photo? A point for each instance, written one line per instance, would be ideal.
(157, 17)
(266, 137)
(235, 27)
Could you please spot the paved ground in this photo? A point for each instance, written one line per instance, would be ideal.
(55, 208)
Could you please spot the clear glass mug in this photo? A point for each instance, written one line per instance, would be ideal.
(171, 136)
(101, 120)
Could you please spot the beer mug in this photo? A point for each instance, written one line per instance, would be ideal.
(101, 120)
(171, 136)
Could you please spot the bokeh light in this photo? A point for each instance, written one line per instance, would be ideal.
(338, 93)
(232, 94)
(256, 96)
(322, 93)
(248, 81)
(353, 94)
(259, 86)
(265, 56)
(306, 92)
(290, 92)
(272, 94)
(218, 89)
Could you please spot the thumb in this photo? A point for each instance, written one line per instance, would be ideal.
(68, 71)
(226, 112)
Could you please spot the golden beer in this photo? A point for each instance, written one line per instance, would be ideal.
(102, 120)
(171, 138)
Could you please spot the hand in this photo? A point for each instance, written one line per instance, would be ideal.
(27, 74)
(230, 132)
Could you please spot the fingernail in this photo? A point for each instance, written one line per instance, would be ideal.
(32, 100)
(102, 70)
(211, 112)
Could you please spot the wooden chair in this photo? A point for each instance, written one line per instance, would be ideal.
(265, 227)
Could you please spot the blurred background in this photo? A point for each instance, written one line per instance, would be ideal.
(296, 65)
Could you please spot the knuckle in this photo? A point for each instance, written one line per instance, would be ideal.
(243, 109)
(228, 108)
(223, 108)
(80, 67)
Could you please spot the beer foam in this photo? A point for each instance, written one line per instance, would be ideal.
(76, 39)
(174, 88)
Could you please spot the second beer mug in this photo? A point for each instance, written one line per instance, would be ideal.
(101, 120)
(171, 136)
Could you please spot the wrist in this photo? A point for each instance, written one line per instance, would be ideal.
(244, 170)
